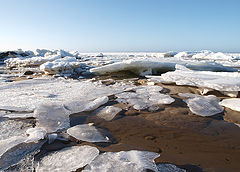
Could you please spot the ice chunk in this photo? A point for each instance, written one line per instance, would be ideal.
(233, 103)
(7, 144)
(221, 81)
(144, 97)
(19, 115)
(35, 134)
(87, 133)
(52, 117)
(107, 112)
(20, 157)
(204, 105)
(169, 168)
(63, 65)
(123, 161)
(68, 159)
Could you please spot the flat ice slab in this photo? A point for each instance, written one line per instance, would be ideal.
(169, 168)
(67, 159)
(233, 103)
(123, 161)
(87, 133)
(107, 112)
(221, 81)
(203, 105)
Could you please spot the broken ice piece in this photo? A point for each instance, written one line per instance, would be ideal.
(233, 103)
(169, 168)
(204, 105)
(19, 115)
(52, 117)
(86, 133)
(67, 159)
(107, 112)
(123, 161)
(35, 134)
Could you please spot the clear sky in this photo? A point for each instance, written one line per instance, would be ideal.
(120, 25)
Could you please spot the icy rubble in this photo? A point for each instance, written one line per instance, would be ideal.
(233, 103)
(63, 65)
(107, 112)
(87, 133)
(203, 105)
(67, 159)
(123, 161)
(145, 97)
(221, 81)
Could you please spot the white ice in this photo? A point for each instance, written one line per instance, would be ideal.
(67, 159)
(221, 81)
(107, 112)
(62, 65)
(203, 105)
(35, 134)
(134, 161)
(233, 103)
(145, 97)
(87, 133)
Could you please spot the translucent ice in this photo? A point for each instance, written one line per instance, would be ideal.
(35, 134)
(107, 112)
(233, 103)
(203, 105)
(169, 168)
(86, 133)
(123, 161)
(67, 159)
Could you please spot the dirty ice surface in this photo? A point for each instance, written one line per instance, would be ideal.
(203, 105)
(67, 159)
(145, 97)
(88, 133)
(233, 103)
(123, 161)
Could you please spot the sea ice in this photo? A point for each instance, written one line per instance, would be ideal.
(169, 168)
(67, 159)
(123, 161)
(35, 134)
(107, 112)
(221, 81)
(144, 97)
(18, 115)
(63, 65)
(233, 103)
(52, 117)
(87, 133)
(203, 105)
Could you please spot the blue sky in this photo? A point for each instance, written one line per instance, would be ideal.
(120, 25)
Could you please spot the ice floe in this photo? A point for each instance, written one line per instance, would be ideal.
(67, 159)
(87, 133)
(35, 134)
(233, 103)
(145, 97)
(107, 112)
(203, 105)
(221, 81)
(123, 161)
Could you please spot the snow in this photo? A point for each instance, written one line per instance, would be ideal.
(63, 65)
(203, 105)
(221, 81)
(107, 112)
(87, 133)
(169, 168)
(233, 103)
(123, 161)
(67, 159)
(145, 97)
